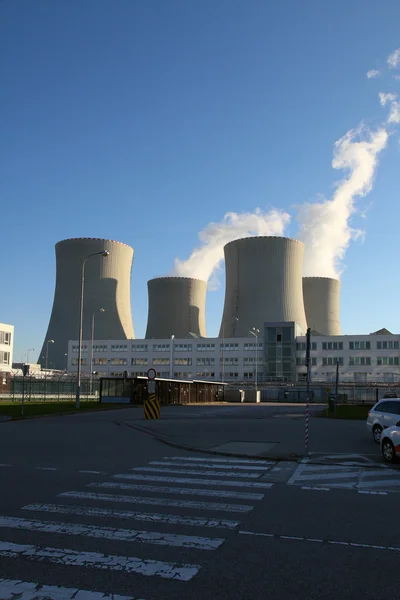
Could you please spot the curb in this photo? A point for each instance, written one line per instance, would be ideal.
(7, 418)
(276, 458)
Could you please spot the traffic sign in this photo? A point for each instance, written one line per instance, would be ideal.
(151, 374)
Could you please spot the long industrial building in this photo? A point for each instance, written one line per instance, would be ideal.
(107, 299)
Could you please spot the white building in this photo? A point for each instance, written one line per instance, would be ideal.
(6, 346)
(279, 355)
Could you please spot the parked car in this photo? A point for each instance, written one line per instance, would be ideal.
(390, 443)
(383, 414)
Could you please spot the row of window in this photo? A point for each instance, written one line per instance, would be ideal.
(166, 347)
(330, 361)
(5, 338)
(362, 345)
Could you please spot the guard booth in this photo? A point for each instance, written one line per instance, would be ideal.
(133, 390)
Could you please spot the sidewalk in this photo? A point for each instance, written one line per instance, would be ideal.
(275, 432)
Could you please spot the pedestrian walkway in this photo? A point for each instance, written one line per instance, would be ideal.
(162, 521)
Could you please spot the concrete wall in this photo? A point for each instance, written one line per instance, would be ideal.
(263, 283)
(322, 304)
(107, 285)
(176, 307)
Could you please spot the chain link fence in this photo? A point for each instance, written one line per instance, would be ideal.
(52, 388)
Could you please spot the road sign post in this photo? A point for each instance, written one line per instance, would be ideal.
(151, 403)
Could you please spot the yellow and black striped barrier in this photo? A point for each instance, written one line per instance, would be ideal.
(151, 407)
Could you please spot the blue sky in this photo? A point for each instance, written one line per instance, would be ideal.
(144, 120)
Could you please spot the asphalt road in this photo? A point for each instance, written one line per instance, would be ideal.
(84, 515)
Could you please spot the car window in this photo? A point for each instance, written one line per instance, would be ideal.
(382, 407)
(395, 408)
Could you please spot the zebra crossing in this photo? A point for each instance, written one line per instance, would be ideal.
(358, 477)
(153, 521)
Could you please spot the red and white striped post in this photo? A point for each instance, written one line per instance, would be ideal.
(308, 365)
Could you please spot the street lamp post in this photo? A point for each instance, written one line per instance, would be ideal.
(233, 320)
(47, 351)
(254, 331)
(27, 354)
(101, 310)
(103, 253)
(171, 358)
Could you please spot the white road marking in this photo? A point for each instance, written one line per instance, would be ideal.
(319, 476)
(5, 465)
(160, 501)
(372, 473)
(111, 533)
(207, 466)
(97, 560)
(298, 471)
(194, 472)
(132, 515)
(218, 482)
(327, 468)
(26, 590)
(333, 542)
(90, 472)
(318, 489)
(46, 468)
(221, 460)
(379, 483)
(372, 493)
(161, 489)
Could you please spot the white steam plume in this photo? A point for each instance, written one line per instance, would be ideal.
(205, 259)
(324, 226)
(373, 73)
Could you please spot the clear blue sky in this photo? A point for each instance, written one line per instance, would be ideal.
(143, 120)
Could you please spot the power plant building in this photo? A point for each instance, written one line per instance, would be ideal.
(107, 286)
(322, 304)
(176, 307)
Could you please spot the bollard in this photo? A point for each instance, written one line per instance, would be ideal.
(151, 404)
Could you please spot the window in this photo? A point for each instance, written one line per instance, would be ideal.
(5, 338)
(229, 347)
(382, 407)
(116, 374)
(182, 375)
(119, 361)
(76, 348)
(231, 375)
(100, 348)
(387, 345)
(252, 346)
(119, 348)
(360, 345)
(183, 347)
(160, 361)
(139, 347)
(387, 360)
(183, 361)
(303, 346)
(138, 373)
(142, 362)
(75, 361)
(160, 348)
(4, 358)
(205, 347)
(330, 361)
(206, 361)
(332, 345)
(230, 360)
(393, 408)
(99, 361)
(249, 375)
(251, 360)
(301, 361)
(205, 374)
(359, 360)
(278, 337)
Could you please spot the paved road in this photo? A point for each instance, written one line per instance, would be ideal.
(100, 511)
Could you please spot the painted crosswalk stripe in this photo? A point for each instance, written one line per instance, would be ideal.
(330, 468)
(161, 489)
(220, 460)
(97, 560)
(318, 476)
(132, 515)
(194, 472)
(90, 472)
(110, 533)
(207, 466)
(28, 590)
(217, 482)
(379, 482)
(214, 506)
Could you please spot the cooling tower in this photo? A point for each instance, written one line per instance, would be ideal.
(322, 304)
(263, 283)
(107, 285)
(176, 307)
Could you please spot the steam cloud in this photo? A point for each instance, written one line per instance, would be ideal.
(324, 226)
(205, 259)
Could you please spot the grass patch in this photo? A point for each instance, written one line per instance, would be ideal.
(31, 409)
(349, 411)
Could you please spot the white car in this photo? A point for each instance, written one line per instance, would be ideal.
(390, 443)
(383, 414)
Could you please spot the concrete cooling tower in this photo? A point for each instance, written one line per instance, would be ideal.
(322, 304)
(263, 283)
(107, 285)
(177, 307)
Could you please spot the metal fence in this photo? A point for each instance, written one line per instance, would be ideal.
(50, 388)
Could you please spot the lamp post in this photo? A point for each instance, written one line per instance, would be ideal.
(171, 358)
(27, 354)
(100, 310)
(47, 351)
(233, 320)
(66, 361)
(103, 253)
(254, 331)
